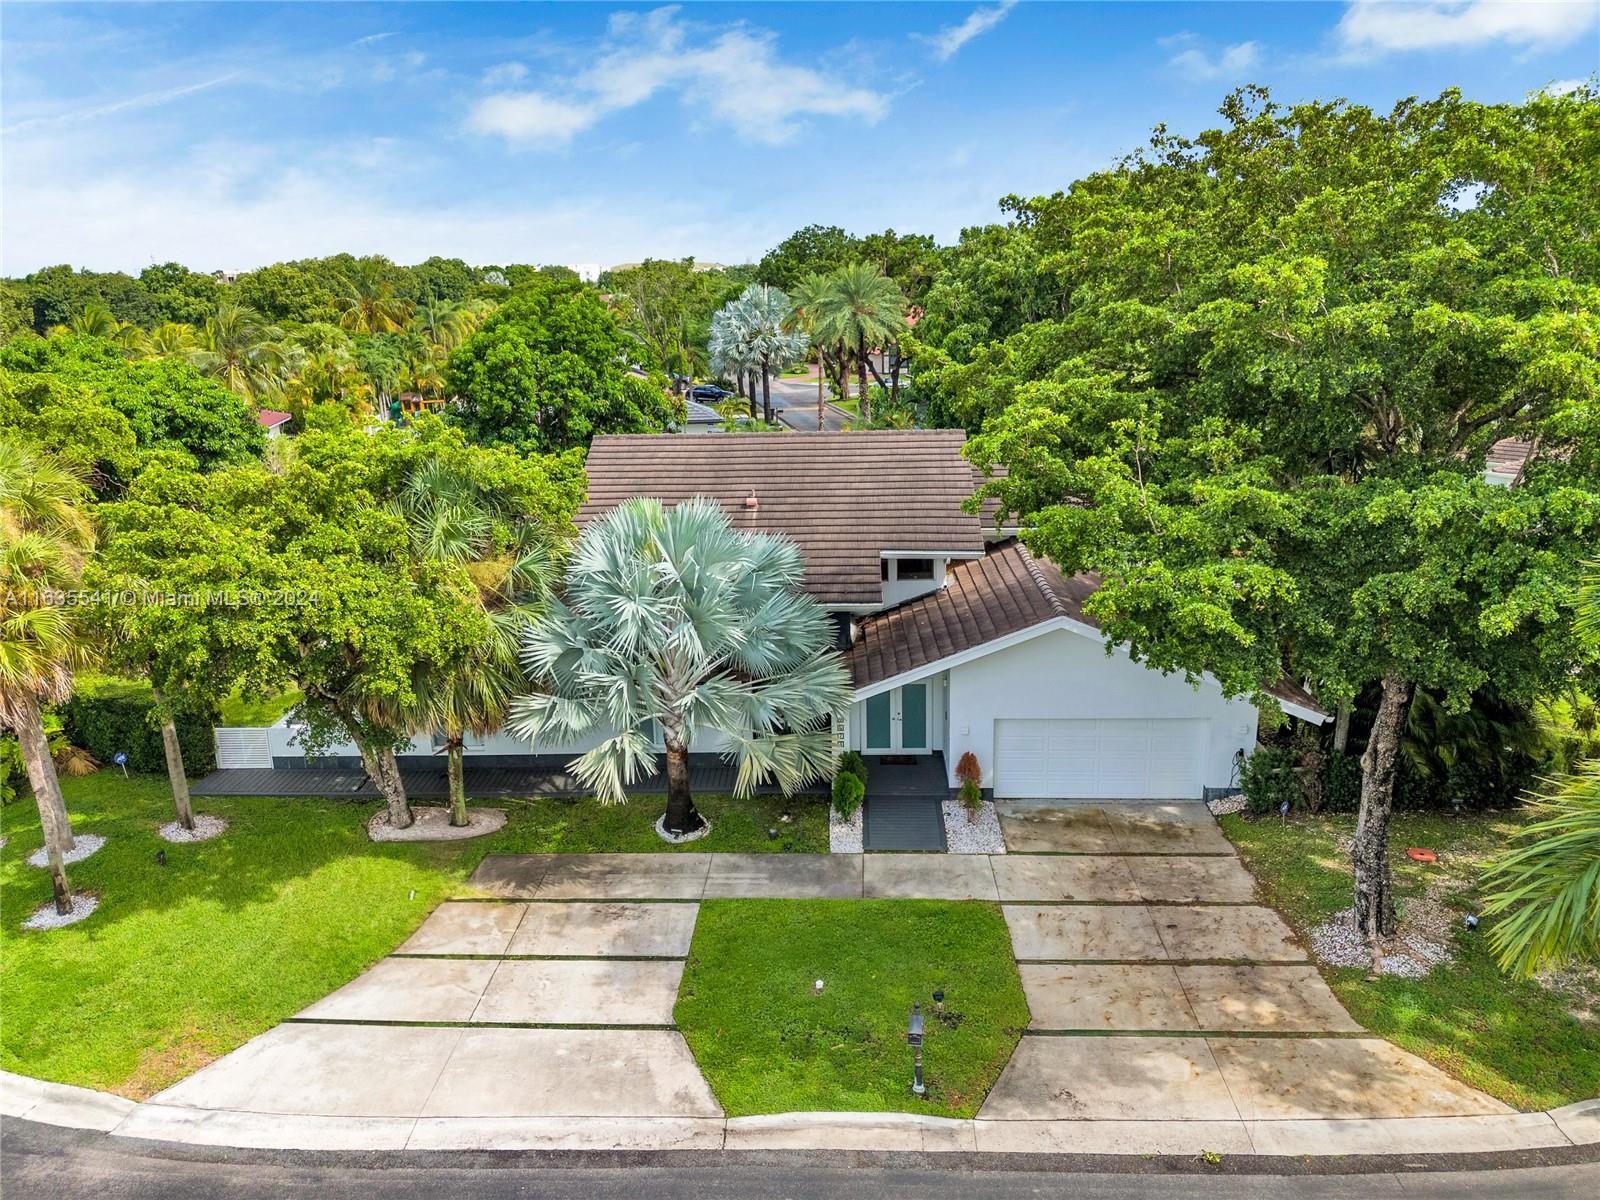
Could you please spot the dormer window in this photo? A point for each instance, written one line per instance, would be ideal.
(914, 568)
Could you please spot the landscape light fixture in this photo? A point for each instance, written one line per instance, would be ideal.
(914, 1033)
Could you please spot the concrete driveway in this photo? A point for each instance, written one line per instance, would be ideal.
(1213, 1009)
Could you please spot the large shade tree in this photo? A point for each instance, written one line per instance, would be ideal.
(45, 534)
(670, 619)
(1261, 411)
(544, 373)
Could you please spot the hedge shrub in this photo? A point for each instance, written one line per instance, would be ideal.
(848, 792)
(852, 763)
(1269, 778)
(105, 716)
(1341, 783)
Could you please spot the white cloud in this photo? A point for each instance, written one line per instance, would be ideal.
(505, 74)
(372, 37)
(979, 21)
(1564, 87)
(531, 117)
(1370, 26)
(736, 78)
(1193, 62)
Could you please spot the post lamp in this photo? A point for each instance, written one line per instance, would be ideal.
(914, 1033)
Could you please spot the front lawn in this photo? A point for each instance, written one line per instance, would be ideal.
(769, 1042)
(1530, 1046)
(182, 963)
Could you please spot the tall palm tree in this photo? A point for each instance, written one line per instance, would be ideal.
(369, 303)
(45, 535)
(808, 305)
(753, 331)
(170, 339)
(453, 520)
(861, 310)
(446, 323)
(732, 354)
(1545, 886)
(96, 320)
(672, 619)
(240, 351)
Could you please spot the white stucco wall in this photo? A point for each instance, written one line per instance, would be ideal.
(283, 742)
(897, 590)
(1065, 675)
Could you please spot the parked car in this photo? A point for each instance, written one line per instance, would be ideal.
(709, 393)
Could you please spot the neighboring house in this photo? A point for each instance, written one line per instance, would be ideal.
(274, 421)
(700, 418)
(1506, 461)
(956, 637)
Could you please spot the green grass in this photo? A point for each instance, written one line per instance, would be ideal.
(240, 709)
(1531, 1046)
(183, 963)
(768, 1042)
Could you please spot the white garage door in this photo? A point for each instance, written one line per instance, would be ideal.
(1100, 760)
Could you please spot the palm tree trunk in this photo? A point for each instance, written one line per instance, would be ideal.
(384, 771)
(42, 776)
(458, 782)
(176, 775)
(682, 817)
(1369, 851)
(861, 381)
(822, 377)
(766, 393)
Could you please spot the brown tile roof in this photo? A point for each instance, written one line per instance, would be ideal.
(844, 497)
(1507, 457)
(1005, 592)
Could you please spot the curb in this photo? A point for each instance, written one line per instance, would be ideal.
(81, 1108)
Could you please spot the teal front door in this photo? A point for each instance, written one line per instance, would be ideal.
(898, 720)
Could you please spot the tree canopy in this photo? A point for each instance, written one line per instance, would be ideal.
(545, 373)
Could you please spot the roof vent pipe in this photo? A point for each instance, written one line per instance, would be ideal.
(750, 501)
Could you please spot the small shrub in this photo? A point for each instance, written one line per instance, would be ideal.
(848, 792)
(853, 764)
(971, 797)
(1341, 783)
(105, 716)
(1271, 776)
(968, 770)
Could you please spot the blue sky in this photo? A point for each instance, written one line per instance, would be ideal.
(231, 135)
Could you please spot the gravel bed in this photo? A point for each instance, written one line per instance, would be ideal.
(963, 835)
(1223, 805)
(84, 845)
(433, 825)
(205, 828)
(678, 839)
(1422, 943)
(845, 833)
(46, 916)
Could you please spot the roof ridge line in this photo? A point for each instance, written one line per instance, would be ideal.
(1038, 577)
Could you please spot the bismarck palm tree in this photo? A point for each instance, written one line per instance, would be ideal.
(671, 619)
(732, 355)
(369, 304)
(240, 351)
(453, 520)
(44, 537)
(754, 330)
(1546, 886)
(861, 309)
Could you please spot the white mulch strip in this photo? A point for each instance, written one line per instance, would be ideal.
(1223, 805)
(46, 916)
(84, 845)
(845, 833)
(433, 825)
(964, 835)
(1422, 943)
(205, 828)
(678, 839)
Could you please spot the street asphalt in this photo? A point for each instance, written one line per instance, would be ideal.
(798, 400)
(43, 1162)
